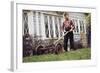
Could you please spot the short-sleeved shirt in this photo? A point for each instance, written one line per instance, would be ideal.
(67, 25)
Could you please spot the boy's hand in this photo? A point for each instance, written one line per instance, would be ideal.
(71, 30)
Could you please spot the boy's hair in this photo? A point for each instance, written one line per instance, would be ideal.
(65, 14)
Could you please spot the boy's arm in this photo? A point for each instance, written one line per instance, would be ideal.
(62, 27)
(72, 26)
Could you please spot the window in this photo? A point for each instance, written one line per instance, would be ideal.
(51, 26)
(39, 20)
(60, 26)
(81, 26)
(46, 26)
(25, 17)
(34, 22)
(56, 27)
(73, 20)
(77, 29)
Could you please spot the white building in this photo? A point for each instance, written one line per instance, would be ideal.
(47, 24)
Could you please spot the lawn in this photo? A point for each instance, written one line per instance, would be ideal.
(80, 54)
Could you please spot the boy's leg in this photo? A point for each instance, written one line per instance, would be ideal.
(71, 40)
(65, 42)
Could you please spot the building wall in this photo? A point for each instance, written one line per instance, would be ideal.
(47, 25)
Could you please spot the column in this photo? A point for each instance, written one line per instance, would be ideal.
(62, 20)
(49, 26)
(30, 23)
(84, 25)
(43, 34)
(73, 20)
(78, 25)
(37, 25)
(58, 27)
(53, 22)
(39, 16)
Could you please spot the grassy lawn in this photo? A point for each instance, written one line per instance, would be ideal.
(80, 54)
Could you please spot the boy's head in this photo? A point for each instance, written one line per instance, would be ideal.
(66, 16)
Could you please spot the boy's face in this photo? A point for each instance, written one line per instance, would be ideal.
(66, 17)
